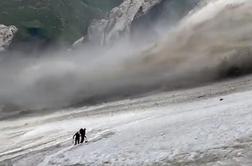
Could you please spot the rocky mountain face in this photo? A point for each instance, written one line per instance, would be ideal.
(138, 18)
(42, 22)
(104, 31)
(160, 18)
(52, 20)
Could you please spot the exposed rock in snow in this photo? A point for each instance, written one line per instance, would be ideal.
(6, 35)
(103, 31)
(78, 42)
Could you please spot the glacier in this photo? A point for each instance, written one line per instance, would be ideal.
(183, 127)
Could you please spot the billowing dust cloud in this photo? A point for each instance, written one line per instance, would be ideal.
(212, 41)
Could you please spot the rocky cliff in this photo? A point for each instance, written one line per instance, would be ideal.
(42, 22)
(104, 31)
(53, 20)
(6, 36)
(138, 18)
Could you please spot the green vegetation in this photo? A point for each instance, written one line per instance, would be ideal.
(53, 20)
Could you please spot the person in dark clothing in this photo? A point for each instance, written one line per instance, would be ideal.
(83, 134)
(76, 138)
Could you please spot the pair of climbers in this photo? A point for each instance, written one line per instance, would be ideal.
(80, 136)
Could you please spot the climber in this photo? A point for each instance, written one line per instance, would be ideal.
(76, 138)
(83, 134)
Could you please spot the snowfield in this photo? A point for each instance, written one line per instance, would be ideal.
(184, 127)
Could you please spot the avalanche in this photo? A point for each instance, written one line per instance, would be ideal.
(205, 125)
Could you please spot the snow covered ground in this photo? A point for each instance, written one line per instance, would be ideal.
(184, 127)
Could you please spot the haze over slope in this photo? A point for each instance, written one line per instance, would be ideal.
(200, 48)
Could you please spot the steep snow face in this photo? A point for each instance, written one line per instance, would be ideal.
(187, 127)
(104, 31)
(7, 33)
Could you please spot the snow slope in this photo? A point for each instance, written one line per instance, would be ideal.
(185, 127)
(160, 134)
